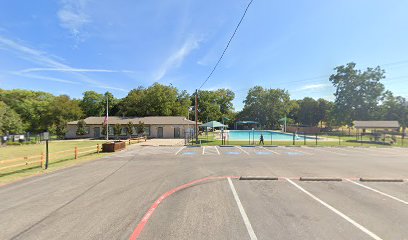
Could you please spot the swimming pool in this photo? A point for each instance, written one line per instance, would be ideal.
(245, 135)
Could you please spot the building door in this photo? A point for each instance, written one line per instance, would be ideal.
(160, 132)
(97, 132)
(177, 132)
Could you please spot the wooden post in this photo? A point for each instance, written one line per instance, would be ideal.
(97, 148)
(129, 141)
(25, 159)
(42, 159)
(76, 152)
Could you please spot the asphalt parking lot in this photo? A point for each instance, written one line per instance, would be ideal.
(153, 193)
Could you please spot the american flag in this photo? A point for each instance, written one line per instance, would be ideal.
(105, 121)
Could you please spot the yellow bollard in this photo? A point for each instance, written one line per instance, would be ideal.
(76, 152)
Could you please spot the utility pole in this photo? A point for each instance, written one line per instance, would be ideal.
(196, 115)
(107, 118)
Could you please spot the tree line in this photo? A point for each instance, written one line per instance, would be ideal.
(359, 95)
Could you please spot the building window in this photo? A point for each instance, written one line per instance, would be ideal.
(123, 131)
(147, 131)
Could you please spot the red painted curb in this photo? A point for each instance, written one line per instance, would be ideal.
(138, 230)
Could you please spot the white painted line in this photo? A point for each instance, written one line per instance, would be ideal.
(217, 150)
(270, 150)
(203, 150)
(379, 192)
(180, 150)
(247, 153)
(242, 211)
(362, 228)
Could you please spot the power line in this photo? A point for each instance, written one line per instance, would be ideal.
(222, 55)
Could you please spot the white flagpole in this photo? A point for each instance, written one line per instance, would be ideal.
(107, 119)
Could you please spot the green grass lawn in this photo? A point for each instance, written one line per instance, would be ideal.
(56, 161)
(11, 152)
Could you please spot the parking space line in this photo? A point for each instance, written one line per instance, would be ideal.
(180, 150)
(270, 150)
(217, 150)
(242, 211)
(359, 226)
(247, 153)
(379, 192)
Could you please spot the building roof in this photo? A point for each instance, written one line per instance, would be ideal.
(376, 124)
(155, 120)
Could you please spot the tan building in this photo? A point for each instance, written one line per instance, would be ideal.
(155, 127)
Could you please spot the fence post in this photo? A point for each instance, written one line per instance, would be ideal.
(97, 148)
(339, 140)
(304, 138)
(42, 159)
(271, 138)
(26, 160)
(293, 138)
(76, 152)
(129, 141)
(316, 139)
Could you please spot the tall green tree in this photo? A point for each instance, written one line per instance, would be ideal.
(395, 108)
(358, 93)
(31, 106)
(61, 110)
(117, 128)
(129, 127)
(93, 104)
(214, 105)
(266, 106)
(10, 121)
(308, 112)
(156, 100)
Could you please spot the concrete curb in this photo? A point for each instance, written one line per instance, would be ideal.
(270, 146)
(320, 179)
(248, 146)
(225, 146)
(258, 178)
(381, 180)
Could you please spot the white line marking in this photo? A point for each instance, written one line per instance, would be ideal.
(365, 230)
(379, 192)
(217, 150)
(242, 211)
(180, 150)
(203, 150)
(270, 150)
(293, 148)
(247, 153)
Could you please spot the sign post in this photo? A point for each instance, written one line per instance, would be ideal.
(46, 136)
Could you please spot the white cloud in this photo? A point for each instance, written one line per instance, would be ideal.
(315, 86)
(44, 59)
(73, 70)
(176, 59)
(72, 16)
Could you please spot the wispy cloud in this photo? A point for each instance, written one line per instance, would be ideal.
(49, 62)
(315, 86)
(73, 70)
(176, 59)
(72, 16)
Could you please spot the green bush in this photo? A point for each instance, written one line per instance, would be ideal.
(13, 143)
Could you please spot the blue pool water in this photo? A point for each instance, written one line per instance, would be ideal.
(244, 135)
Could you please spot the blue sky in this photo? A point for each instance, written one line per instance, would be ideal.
(70, 46)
